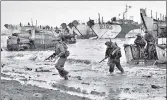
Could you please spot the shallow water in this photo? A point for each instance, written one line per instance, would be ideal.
(86, 74)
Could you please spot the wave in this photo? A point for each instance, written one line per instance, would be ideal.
(71, 60)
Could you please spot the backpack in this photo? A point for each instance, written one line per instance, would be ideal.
(116, 55)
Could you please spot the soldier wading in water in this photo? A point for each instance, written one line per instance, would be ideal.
(61, 53)
(113, 54)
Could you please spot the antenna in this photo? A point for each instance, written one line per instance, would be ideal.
(31, 21)
(109, 38)
(36, 22)
(126, 10)
(99, 18)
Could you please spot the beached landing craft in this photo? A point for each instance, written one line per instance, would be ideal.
(158, 30)
(114, 28)
(33, 38)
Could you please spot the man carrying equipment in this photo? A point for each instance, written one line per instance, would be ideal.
(61, 53)
(113, 54)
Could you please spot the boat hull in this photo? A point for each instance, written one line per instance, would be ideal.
(107, 30)
(161, 53)
(132, 55)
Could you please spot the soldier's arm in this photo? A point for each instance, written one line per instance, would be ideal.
(118, 55)
(135, 42)
(143, 42)
(107, 53)
(118, 48)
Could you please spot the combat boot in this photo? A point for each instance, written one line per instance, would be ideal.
(66, 77)
(65, 74)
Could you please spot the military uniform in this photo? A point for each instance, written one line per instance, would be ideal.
(140, 43)
(150, 48)
(61, 52)
(113, 53)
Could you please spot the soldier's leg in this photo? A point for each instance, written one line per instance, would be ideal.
(57, 65)
(65, 73)
(111, 69)
(60, 66)
(149, 52)
(118, 65)
(111, 65)
(59, 69)
(138, 55)
(155, 56)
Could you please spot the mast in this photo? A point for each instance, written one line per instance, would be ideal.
(31, 21)
(36, 23)
(126, 10)
(99, 18)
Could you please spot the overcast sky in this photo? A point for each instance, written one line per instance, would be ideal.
(54, 13)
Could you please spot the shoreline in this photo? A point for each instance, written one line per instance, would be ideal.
(13, 90)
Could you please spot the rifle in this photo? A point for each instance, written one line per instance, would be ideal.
(109, 54)
(50, 57)
(103, 59)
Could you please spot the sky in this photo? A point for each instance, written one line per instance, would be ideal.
(53, 13)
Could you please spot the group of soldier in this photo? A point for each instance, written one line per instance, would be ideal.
(146, 46)
(61, 53)
(112, 53)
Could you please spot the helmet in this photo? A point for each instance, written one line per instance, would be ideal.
(138, 34)
(108, 43)
(9, 37)
(146, 31)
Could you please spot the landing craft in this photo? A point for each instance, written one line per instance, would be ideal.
(114, 28)
(157, 27)
(34, 38)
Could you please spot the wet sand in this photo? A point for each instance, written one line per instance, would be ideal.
(13, 90)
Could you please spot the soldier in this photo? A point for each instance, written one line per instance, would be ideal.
(140, 43)
(62, 53)
(113, 54)
(150, 46)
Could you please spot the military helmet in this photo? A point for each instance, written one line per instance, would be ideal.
(138, 34)
(146, 31)
(9, 37)
(108, 43)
